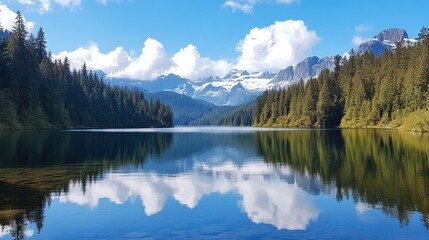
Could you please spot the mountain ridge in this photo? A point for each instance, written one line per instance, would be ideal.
(239, 86)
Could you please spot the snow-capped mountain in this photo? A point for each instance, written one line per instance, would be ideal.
(240, 86)
(310, 67)
(386, 40)
(236, 87)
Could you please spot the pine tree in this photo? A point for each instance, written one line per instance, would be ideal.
(324, 104)
(15, 53)
(423, 34)
(310, 101)
(40, 46)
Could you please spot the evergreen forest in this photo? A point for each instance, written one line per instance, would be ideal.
(390, 91)
(39, 92)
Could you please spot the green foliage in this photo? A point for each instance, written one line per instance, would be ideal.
(8, 113)
(37, 92)
(185, 109)
(213, 117)
(417, 121)
(241, 116)
(227, 116)
(362, 91)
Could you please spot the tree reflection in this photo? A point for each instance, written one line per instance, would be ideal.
(35, 165)
(389, 169)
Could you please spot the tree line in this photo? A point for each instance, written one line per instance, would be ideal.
(39, 92)
(362, 91)
(227, 116)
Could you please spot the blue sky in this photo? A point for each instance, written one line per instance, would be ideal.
(214, 28)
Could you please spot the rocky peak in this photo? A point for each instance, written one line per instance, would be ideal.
(266, 75)
(392, 35)
(284, 75)
(304, 69)
(384, 41)
(244, 73)
(310, 67)
(237, 87)
(235, 73)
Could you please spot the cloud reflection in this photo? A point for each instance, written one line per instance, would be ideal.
(267, 196)
(7, 230)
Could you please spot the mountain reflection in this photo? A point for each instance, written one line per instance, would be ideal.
(274, 173)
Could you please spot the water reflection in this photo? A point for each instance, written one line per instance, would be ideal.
(269, 195)
(49, 148)
(389, 170)
(36, 165)
(274, 173)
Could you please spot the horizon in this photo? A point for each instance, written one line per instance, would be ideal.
(247, 35)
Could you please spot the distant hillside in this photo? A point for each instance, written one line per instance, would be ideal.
(214, 116)
(241, 116)
(185, 109)
(191, 111)
(228, 116)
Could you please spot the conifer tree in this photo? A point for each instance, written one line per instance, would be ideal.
(40, 46)
(38, 92)
(391, 90)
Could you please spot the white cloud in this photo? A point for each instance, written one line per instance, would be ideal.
(189, 63)
(363, 28)
(150, 64)
(29, 233)
(359, 30)
(271, 48)
(276, 46)
(358, 40)
(111, 62)
(104, 2)
(247, 6)
(361, 208)
(44, 6)
(8, 17)
(287, 209)
(5, 230)
(286, 1)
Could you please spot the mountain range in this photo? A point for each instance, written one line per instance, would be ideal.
(236, 87)
(240, 86)
(207, 96)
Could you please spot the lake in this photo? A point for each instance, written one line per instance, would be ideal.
(214, 183)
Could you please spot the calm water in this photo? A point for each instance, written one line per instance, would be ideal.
(214, 183)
